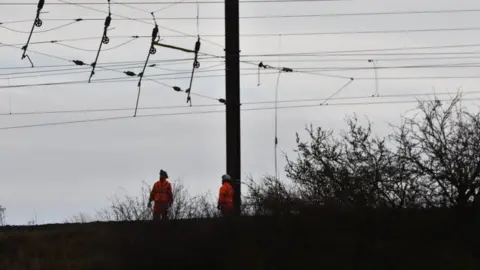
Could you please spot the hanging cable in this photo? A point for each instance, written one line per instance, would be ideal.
(104, 40)
(276, 124)
(258, 77)
(38, 23)
(260, 66)
(151, 50)
(377, 91)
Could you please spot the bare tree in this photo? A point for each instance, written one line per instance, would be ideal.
(442, 143)
(355, 169)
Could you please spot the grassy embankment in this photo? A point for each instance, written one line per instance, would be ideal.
(326, 240)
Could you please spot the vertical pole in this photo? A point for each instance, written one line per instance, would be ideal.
(232, 96)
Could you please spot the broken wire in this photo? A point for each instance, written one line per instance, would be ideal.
(38, 23)
(104, 40)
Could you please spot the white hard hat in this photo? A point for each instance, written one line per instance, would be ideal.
(226, 177)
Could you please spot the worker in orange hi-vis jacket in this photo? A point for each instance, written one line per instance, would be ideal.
(225, 197)
(162, 195)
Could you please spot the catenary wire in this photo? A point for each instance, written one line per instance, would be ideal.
(221, 105)
(123, 79)
(279, 16)
(217, 111)
(68, 71)
(170, 2)
(340, 32)
(168, 62)
(170, 5)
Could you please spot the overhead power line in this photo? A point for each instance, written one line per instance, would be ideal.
(68, 68)
(163, 78)
(342, 32)
(145, 22)
(300, 54)
(279, 16)
(366, 54)
(221, 105)
(43, 31)
(165, 62)
(221, 111)
(117, 80)
(69, 71)
(367, 50)
(170, 2)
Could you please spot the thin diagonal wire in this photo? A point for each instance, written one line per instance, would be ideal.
(169, 6)
(131, 6)
(276, 124)
(337, 92)
(219, 105)
(129, 18)
(39, 32)
(216, 111)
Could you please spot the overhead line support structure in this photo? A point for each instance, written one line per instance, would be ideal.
(232, 96)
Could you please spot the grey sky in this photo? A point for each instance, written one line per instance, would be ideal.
(58, 171)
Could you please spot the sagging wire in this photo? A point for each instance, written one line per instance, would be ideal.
(38, 23)
(151, 51)
(104, 40)
(196, 64)
(89, 50)
(44, 31)
(377, 90)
